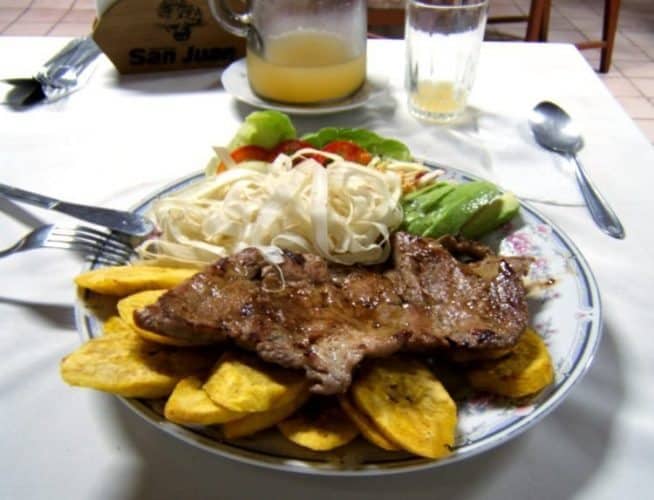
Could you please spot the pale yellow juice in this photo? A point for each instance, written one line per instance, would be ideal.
(438, 97)
(306, 67)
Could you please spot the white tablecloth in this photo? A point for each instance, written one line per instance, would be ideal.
(122, 137)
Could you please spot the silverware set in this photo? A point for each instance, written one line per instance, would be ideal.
(66, 72)
(117, 220)
(109, 247)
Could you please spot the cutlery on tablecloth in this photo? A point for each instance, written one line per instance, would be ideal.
(554, 130)
(67, 71)
(104, 247)
(124, 222)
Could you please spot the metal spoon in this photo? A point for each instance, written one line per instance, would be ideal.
(554, 130)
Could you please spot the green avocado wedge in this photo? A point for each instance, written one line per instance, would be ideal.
(498, 212)
(459, 205)
(418, 206)
(471, 209)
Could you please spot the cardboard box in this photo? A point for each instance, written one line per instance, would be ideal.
(161, 35)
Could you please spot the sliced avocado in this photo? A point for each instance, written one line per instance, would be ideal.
(501, 210)
(419, 193)
(419, 223)
(459, 205)
(417, 215)
(433, 199)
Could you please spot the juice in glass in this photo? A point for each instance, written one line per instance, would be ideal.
(443, 41)
(306, 66)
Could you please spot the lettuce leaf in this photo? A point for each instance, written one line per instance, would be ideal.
(263, 128)
(370, 141)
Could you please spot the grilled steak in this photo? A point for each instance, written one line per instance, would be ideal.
(323, 318)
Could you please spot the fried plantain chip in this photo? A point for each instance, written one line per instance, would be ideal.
(463, 355)
(408, 405)
(131, 303)
(126, 280)
(132, 367)
(116, 327)
(189, 405)
(321, 425)
(243, 383)
(255, 422)
(525, 371)
(365, 425)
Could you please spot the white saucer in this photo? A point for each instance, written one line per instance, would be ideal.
(235, 81)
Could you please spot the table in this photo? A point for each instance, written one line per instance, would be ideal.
(122, 137)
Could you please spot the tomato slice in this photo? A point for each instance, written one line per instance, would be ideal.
(288, 147)
(291, 146)
(348, 151)
(250, 153)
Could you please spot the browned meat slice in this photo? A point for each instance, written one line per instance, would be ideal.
(323, 318)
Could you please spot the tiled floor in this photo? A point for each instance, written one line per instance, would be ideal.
(46, 17)
(631, 79)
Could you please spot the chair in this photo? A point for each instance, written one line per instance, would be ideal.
(388, 16)
(609, 28)
(538, 14)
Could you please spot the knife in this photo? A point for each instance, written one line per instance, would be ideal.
(124, 222)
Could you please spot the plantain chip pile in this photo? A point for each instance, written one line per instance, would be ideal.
(396, 403)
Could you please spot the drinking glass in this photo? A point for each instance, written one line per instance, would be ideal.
(443, 40)
(301, 51)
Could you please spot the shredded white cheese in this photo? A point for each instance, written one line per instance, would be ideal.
(344, 212)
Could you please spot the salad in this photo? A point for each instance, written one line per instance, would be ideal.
(338, 193)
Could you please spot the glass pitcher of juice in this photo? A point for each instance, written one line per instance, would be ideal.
(301, 51)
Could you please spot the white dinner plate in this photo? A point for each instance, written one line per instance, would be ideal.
(235, 82)
(567, 314)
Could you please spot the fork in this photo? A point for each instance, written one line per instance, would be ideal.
(102, 247)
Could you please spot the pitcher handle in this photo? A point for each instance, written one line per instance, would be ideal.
(236, 23)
